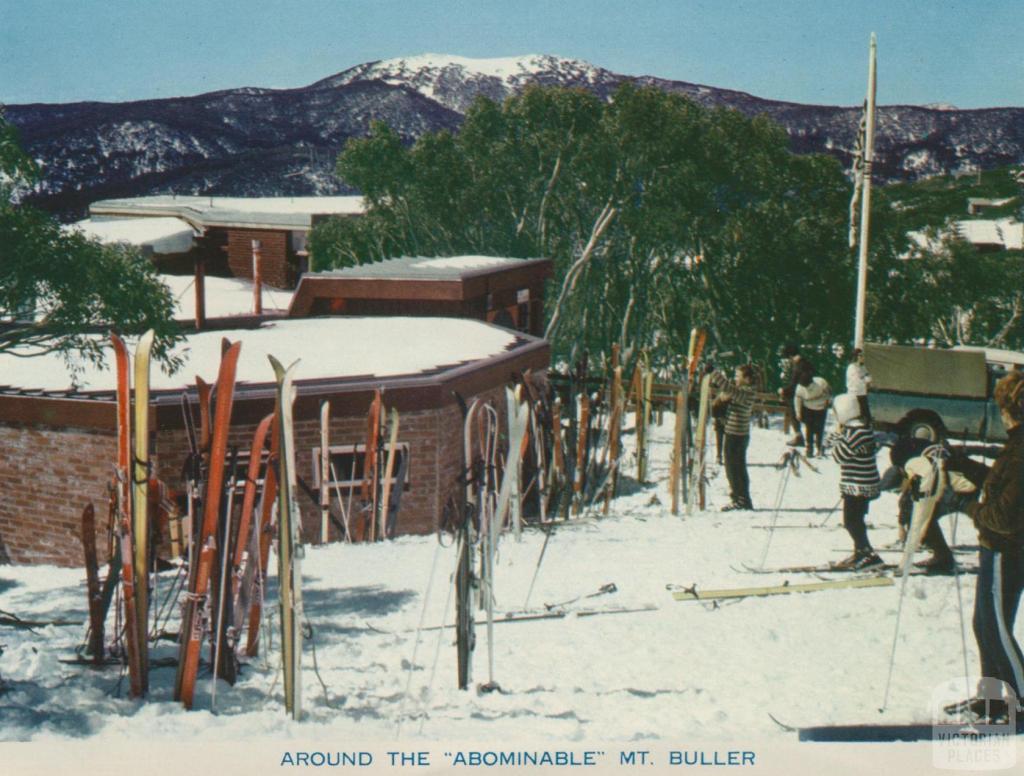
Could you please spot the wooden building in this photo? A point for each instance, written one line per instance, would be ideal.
(59, 436)
(508, 292)
(225, 228)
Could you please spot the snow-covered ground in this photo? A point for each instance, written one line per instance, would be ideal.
(674, 671)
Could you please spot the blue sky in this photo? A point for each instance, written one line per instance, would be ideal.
(964, 52)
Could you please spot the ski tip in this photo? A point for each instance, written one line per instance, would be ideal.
(145, 342)
(279, 369)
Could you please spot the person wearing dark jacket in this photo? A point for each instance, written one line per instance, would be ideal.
(854, 449)
(739, 392)
(999, 517)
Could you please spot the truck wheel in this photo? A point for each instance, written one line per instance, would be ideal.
(923, 426)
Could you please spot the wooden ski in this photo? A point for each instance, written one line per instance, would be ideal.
(123, 489)
(92, 579)
(206, 541)
(389, 470)
(140, 500)
(694, 594)
(289, 547)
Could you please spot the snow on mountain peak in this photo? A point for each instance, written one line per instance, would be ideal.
(455, 80)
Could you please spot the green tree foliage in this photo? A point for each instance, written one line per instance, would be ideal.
(59, 290)
(659, 215)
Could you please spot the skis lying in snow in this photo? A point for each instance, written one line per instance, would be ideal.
(912, 731)
(692, 593)
(556, 614)
(829, 568)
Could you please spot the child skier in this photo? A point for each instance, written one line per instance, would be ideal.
(854, 448)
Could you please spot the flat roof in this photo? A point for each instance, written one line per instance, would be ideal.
(162, 234)
(427, 268)
(252, 212)
(225, 297)
(337, 348)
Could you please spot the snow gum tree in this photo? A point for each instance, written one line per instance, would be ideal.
(659, 215)
(58, 290)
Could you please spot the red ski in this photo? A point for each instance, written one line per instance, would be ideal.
(242, 563)
(206, 542)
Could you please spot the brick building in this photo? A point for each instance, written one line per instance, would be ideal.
(59, 438)
(509, 292)
(225, 227)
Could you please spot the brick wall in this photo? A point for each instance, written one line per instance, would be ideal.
(47, 476)
(274, 256)
(434, 438)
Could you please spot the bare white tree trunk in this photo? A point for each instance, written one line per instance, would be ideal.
(569, 283)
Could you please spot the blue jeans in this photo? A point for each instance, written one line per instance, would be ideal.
(1000, 583)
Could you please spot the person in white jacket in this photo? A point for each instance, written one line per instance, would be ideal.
(858, 380)
(810, 403)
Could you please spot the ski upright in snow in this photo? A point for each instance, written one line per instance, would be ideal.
(196, 609)
(696, 493)
(289, 543)
(123, 490)
(140, 500)
(92, 577)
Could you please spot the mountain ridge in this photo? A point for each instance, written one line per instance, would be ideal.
(258, 141)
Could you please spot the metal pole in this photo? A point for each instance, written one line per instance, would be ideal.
(257, 278)
(865, 212)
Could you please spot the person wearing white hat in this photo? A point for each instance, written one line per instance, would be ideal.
(854, 449)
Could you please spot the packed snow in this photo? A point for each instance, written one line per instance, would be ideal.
(462, 262)
(326, 347)
(294, 211)
(225, 297)
(659, 671)
(161, 235)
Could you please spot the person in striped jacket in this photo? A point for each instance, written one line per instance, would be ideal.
(739, 392)
(854, 449)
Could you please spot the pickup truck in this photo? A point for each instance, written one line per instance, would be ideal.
(933, 393)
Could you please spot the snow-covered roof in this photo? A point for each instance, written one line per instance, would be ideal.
(225, 297)
(327, 348)
(266, 212)
(425, 267)
(159, 235)
(1005, 232)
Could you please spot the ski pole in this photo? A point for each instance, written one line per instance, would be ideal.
(536, 570)
(831, 512)
(779, 495)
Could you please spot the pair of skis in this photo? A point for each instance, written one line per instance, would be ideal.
(131, 505)
(381, 490)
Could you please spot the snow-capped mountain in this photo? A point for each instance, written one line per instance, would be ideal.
(254, 141)
(456, 81)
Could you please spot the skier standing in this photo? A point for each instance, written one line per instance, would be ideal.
(999, 517)
(810, 403)
(854, 448)
(740, 394)
(790, 368)
(858, 379)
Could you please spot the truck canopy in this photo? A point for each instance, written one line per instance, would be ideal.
(930, 371)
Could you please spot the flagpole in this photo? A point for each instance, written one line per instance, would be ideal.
(869, 155)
